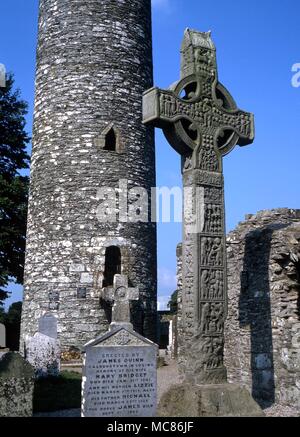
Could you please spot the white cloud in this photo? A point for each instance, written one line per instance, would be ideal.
(167, 279)
(162, 303)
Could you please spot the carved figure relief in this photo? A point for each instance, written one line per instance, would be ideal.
(211, 318)
(213, 195)
(213, 218)
(189, 267)
(212, 251)
(187, 162)
(211, 352)
(208, 159)
(212, 285)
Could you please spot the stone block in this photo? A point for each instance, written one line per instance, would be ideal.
(86, 278)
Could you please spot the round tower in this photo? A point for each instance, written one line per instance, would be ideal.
(94, 61)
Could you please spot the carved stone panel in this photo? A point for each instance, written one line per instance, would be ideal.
(53, 301)
(212, 318)
(213, 219)
(212, 352)
(212, 284)
(212, 252)
(213, 195)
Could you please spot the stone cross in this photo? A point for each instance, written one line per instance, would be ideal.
(201, 121)
(121, 294)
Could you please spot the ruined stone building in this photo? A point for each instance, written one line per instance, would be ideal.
(94, 61)
(262, 336)
(262, 332)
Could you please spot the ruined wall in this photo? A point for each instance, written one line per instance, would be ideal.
(94, 61)
(262, 335)
(262, 332)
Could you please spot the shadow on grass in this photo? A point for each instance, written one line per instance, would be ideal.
(57, 393)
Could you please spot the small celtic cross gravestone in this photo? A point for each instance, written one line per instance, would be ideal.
(121, 294)
(202, 122)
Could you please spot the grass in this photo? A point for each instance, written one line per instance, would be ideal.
(57, 393)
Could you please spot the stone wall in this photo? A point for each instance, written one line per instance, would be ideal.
(262, 335)
(94, 61)
(262, 332)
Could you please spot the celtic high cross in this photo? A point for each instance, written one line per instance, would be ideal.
(201, 121)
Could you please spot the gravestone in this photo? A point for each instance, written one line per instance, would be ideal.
(202, 123)
(43, 353)
(119, 370)
(16, 385)
(48, 325)
(2, 336)
(119, 376)
(121, 294)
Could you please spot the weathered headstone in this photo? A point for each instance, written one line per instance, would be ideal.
(119, 378)
(119, 372)
(43, 353)
(201, 121)
(48, 325)
(2, 336)
(16, 385)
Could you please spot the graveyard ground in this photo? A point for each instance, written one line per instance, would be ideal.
(57, 393)
(60, 397)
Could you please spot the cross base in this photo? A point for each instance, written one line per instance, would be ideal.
(212, 376)
(215, 400)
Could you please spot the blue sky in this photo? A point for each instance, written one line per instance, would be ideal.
(257, 44)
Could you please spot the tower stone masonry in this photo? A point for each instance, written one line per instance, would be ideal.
(94, 61)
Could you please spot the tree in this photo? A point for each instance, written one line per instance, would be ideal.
(2, 315)
(12, 322)
(13, 316)
(173, 305)
(13, 186)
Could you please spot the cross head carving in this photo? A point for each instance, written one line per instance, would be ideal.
(198, 112)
